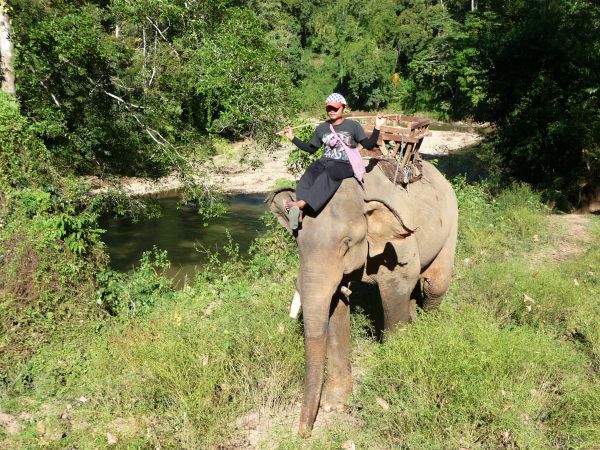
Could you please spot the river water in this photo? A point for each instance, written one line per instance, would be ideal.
(181, 232)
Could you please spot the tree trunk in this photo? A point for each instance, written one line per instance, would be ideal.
(6, 51)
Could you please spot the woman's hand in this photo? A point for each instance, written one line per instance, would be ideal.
(289, 132)
(379, 121)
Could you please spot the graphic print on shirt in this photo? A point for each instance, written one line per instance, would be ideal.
(336, 151)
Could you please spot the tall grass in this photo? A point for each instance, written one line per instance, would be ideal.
(510, 361)
(460, 379)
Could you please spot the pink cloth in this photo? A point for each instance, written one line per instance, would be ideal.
(358, 167)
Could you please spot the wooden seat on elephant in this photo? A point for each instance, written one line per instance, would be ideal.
(398, 146)
(401, 174)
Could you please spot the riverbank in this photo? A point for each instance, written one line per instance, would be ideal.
(230, 176)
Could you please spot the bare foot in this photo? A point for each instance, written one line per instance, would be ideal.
(289, 205)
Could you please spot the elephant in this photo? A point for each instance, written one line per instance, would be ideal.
(376, 233)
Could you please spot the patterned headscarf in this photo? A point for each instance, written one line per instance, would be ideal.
(335, 99)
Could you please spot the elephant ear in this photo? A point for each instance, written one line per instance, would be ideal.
(275, 203)
(384, 225)
(391, 213)
(399, 202)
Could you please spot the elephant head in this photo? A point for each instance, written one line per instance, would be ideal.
(334, 246)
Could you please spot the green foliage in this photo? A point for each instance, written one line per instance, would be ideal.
(194, 361)
(227, 78)
(67, 67)
(141, 87)
(298, 160)
(24, 161)
(490, 223)
(542, 91)
(50, 251)
(318, 83)
(135, 293)
(132, 88)
(367, 88)
(58, 219)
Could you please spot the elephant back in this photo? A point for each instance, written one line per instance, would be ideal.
(426, 207)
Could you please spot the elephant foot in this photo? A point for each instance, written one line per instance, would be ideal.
(305, 431)
(335, 397)
(337, 407)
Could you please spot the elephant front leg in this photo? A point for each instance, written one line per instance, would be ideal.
(338, 386)
(396, 287)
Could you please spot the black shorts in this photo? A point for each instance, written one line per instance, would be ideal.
(321, 180)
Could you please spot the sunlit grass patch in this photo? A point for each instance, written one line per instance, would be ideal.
(574, 421)
(498, 225)
(557, 297)
(459, 379)
(195, 365)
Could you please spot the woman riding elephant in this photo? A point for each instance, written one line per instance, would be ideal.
(402, 239)
(341, 158)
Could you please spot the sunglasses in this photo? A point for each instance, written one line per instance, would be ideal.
(332, 108)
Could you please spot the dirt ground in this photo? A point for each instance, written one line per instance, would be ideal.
(576, 237)
(233, 177)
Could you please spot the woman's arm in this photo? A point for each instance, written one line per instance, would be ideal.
(307, 147)
(370, 142)
(304, 145)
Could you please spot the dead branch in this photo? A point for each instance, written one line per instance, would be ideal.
(54, 99)
(162, 35)
(125, 103)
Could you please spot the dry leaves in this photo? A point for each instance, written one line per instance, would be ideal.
(111, 439)
(348, 445)
(381, 402)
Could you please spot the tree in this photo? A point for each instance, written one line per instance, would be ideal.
(542, 91)
(147, 98)
(6, 51)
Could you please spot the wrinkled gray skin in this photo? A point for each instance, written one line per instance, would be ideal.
(382, 235)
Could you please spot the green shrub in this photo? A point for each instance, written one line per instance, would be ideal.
(195, 362)
(135, 293)
(24, 160)
(50, 251)
(496, 224)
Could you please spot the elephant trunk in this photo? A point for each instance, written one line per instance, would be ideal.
(313, 381)
(317, 289)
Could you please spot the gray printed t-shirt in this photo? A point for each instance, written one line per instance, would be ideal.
(350, 131)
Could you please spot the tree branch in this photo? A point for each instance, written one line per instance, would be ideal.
(120, 100)
(162, 35)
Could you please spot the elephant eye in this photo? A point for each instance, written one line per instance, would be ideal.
(347, 241)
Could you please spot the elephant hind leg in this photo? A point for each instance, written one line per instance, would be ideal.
(436, 278)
